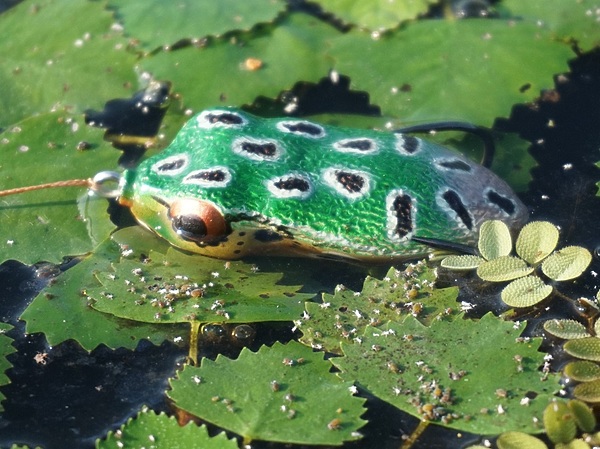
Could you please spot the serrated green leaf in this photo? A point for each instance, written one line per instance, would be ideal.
(6, 348)
(48, 224)
(290, 51)
(375, 15)
(281, 388)
(525, 292)
(462, 350)
(402, 75)
(566, 329)
(567, 263)
(155, 23)
(536, 241)
(464, 262)
(494, 240)
(45, 69)
(559, 422)
(503, 268)
(588, 391)
(587, 348)
(566, 19)
(149, 430)
(582, 370)
(343, 317)
(519, 440)
(178, 288)
(62, 312)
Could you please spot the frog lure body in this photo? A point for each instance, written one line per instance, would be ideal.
(232, 185)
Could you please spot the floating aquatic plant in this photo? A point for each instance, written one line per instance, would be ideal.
(582, 345)
(535, 249)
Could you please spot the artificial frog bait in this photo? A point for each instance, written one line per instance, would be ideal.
(232, 185)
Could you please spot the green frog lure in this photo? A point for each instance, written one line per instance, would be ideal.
(232, 185)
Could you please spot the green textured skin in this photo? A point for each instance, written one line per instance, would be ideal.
(326, 220)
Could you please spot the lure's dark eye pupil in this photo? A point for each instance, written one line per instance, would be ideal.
(189, 227)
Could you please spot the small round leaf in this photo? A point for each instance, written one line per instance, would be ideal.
(588, 391)
(519, 440)
(536, 241)
(567, 263)
(503, 268)
(566, 329)
(574, 444)
(584, 348)
(559, 422)
(464, 262)
(494, 239)
(584, 416)
(525, 292)
(582, 370)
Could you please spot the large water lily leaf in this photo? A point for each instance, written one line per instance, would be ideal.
(6, 348)
(475, 369)
(50, 224)
(155, 23)
(176, 288)
(62, 311)
(44, 66)
(497, 62)
(272, 395)
(344, 316)
(376, 15)
(566, 19)
(218, 73)
(158, 431)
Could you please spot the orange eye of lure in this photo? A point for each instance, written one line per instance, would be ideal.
(197, 220)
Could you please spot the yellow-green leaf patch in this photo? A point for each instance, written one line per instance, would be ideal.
(525, 292)
(536, 241)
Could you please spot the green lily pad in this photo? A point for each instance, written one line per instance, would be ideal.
(559, 422)
(6, 348)
(588, 391)
(494, 240)
(290, 51)
(447, 367)
(566, 19)
(587, 348)
(582, 370)
(464, 262)
(62, 312)
(343, 317)
(376, 15)
(149, 430)
(426, 71)
(519, 440)
(50, 224)
(504, 268)
(566, 329)
(77, 66)
(536, 241)
(525, 292)
(155, 24)
(567, 263)
(272, 395)
(178, 288)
